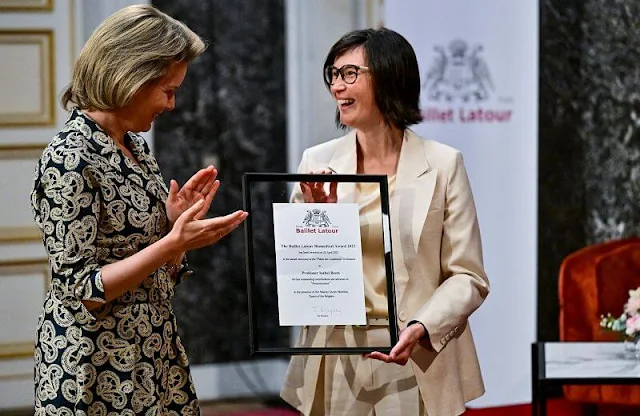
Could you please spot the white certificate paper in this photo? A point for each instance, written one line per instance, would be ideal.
(319, 264)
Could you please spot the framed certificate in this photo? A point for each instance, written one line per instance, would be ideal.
(319, 264)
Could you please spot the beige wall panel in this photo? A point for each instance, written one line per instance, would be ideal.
(61, 21)
(20, 83)
(16, 369)
(14, 251)
(16, 394)
(17, 164)
(22, 290)
(16, 176)
(27, 78)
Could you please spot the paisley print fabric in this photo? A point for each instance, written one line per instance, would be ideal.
(95, 206)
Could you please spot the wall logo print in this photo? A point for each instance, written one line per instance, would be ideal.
(458, 73)
(459, 88)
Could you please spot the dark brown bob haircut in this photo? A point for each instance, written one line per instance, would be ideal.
(394, 72)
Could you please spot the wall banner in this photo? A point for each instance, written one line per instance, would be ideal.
(479, 74)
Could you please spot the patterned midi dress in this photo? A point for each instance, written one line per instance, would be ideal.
(95, 206)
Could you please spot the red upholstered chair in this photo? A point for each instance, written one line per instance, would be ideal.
(616, 273)
(594, 281)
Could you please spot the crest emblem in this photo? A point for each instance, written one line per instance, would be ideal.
(316, 218)
(458, 73)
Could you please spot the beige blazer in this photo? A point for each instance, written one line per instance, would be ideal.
(439, 275)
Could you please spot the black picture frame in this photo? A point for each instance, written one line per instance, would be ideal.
(250, 179)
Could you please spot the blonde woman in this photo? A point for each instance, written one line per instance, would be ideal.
(107, 341)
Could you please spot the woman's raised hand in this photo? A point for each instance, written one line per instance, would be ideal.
(315, 192)
(201, 186)
(189, 232)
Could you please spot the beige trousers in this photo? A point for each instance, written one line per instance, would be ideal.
(356, 386)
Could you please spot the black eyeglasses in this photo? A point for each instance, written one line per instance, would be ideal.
(349, 73)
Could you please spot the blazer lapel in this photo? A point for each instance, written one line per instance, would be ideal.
(410, 201)
(415, 184)
(344, 161)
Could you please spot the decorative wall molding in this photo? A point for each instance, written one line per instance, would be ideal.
(20, 234)
(23, 348)
(13, 235)
(28, 78)
(21, 151)
(26, 5)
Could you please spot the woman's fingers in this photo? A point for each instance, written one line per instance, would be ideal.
(400, 352)
(190, 214)
(333, 191)
(400, 360)
(401, 346)
(379, 356)
(208, 198)
(307, 193)
(199, 179)
(228, 220)
(173, 190)
(319, 186)
(315, 191)
(209, 184)
(322, 172)
(219, 224)
(201, 233)
(228, 229)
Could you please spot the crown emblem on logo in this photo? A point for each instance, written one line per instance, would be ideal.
(316, 218)
(458, 72)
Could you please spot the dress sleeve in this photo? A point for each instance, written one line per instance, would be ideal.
(66, 203)
(184, 271)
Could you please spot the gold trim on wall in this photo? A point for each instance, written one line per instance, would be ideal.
(21, 151)
(45, 40)
(11, 350)
(16, 376)
(16, 350)
(26, 5)
(11, 235)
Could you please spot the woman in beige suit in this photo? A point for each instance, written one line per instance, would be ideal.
(439, 276)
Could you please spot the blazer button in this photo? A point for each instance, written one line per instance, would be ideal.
(402, 316)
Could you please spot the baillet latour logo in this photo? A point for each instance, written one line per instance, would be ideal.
(459, 87)
(316, 221)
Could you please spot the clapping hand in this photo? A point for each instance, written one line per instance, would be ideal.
(201, 186)
(315, 192)
(190, 232)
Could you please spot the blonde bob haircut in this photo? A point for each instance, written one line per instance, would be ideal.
(134, 46)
